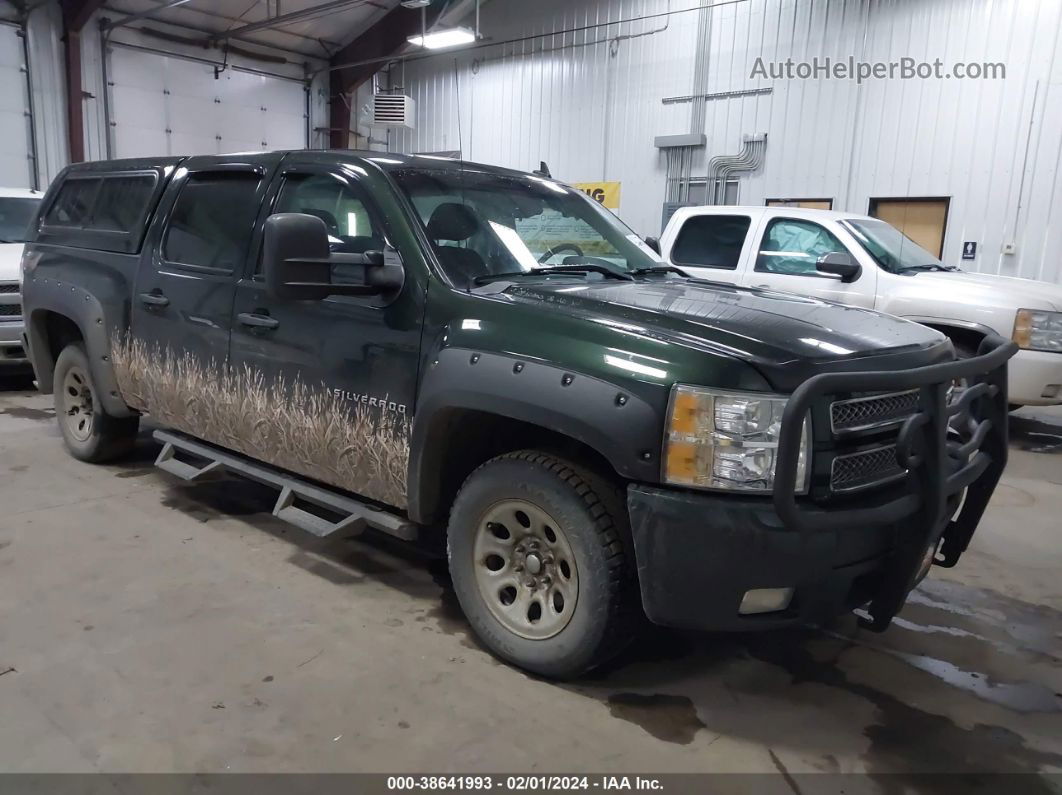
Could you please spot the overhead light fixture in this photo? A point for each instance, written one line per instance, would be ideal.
(446, 37)
(415, 3)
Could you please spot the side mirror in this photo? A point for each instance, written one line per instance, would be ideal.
(297, 263)
(653, 243)
(839, 263)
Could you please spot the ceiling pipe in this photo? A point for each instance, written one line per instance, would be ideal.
(123, 21)
(418, 55)
(289, 18)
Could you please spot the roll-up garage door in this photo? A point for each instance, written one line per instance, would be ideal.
(164, 105)
(15, 161)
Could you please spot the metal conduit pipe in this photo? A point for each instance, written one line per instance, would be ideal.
(721, 164)
(724, 176)
(750, 158)
(743, 162)
(753, 163)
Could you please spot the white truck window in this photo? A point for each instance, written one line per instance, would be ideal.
(792, 247)
(711, 241)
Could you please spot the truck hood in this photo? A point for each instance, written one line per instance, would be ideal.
(986, 289)
(10, 260)
(787, 337)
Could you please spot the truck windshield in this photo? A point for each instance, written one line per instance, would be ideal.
(15, 217)
(484, 224)
(891, 248)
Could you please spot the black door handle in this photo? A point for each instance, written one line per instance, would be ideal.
(154, 299)
(258, 321)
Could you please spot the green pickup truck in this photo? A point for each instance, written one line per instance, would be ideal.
(418, 345)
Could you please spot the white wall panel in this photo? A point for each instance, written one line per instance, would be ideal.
(16, 164)
(590, 103)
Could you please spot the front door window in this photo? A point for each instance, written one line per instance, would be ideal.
(344, 210)
(793, 247)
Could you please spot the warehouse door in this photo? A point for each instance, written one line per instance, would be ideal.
(805, 204)
(922, 220)
(16, 163)
(163, 105)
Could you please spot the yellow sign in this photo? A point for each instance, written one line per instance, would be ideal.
(607, 193)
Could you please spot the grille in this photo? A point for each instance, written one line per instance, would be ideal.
(9, 287)
(10, 310)
(875, 411)
(865, 469)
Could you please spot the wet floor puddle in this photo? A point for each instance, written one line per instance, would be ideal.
(992, 647)
(670, 718)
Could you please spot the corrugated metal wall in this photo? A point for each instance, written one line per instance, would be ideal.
(589, 102)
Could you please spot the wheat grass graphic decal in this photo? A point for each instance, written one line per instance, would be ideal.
(310, 431)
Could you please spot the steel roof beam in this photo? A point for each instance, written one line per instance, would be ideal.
(379, 41)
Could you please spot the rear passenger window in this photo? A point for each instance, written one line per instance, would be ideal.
(74, 203)
(711, 241)
(122, 201)
(211, 222)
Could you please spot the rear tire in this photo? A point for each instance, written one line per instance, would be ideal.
(90, 434)
(540, 559)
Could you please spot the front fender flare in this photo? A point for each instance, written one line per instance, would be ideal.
(624, 428)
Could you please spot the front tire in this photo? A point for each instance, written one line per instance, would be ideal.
(90, 434)
(540, 559)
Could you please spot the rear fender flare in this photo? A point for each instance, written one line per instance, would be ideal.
(86, 312)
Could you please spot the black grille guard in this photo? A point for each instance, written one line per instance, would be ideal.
(940, 464)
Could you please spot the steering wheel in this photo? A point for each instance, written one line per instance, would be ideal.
(557, 249)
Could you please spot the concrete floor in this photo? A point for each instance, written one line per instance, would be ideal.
(151, 626)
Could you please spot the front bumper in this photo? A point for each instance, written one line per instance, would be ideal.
(12, 351)
(699, 553)
(1035, 378)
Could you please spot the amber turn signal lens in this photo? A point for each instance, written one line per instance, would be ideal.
(681, 463)
(1023, 327)
(684, 410)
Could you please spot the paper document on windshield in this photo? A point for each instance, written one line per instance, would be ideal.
(516, 246)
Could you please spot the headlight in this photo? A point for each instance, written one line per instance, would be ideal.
(726, 440)
(1037, 330)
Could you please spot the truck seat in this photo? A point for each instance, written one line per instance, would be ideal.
(456, 222)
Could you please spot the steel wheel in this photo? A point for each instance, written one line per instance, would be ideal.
(77, 412)
(525, 569)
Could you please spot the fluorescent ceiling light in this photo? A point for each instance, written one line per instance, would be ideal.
(446, 37)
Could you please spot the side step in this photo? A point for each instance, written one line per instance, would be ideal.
(355, 515)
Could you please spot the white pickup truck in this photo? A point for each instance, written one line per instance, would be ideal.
(18, 206)
(863, 261)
